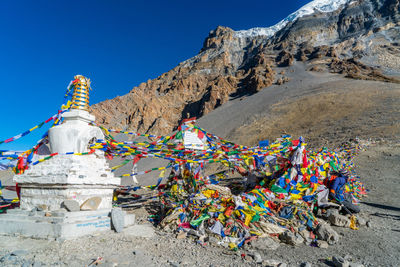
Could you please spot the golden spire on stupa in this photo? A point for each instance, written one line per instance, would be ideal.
(80, 97)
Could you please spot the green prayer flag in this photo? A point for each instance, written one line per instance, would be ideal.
(178, 135)
(198, 221)
(277, 189)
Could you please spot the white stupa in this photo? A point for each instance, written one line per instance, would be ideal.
(85, 181)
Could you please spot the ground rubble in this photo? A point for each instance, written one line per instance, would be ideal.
(374, 244)
(162, 249)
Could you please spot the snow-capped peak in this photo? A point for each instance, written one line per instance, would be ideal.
(310, 8)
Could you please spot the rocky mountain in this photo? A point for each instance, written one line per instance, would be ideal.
(358, 39)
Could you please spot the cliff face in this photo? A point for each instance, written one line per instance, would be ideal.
(360, 40)
(193, 88)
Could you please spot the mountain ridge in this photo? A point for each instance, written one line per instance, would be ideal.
(358, 40)
(308, 9)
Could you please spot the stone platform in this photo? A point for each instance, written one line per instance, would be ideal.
(56, 225)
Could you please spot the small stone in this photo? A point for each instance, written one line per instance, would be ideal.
(331, 211)
(247, 257)
(322, 244)
(47, 214)
(339, 220)
(369, 224)
(181, 235)
(3, 259)
(174, 264)
(306, 264)
(117, 219)
(265, 243)
(257, 257)
(340, 262)
(348, 257)
(92, 203)
(71, 205)
(19, 252)
(361, 221)
(213, 240)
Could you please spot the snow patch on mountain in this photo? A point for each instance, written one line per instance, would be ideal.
(310, 8)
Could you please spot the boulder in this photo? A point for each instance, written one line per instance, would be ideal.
(325, 232)
(92, 203)
(71, 205)
(322, 244)
(339, 220)
(291, 238)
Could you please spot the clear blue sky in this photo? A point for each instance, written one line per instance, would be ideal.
(118, 44)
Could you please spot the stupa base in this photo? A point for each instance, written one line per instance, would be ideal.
(54, 225)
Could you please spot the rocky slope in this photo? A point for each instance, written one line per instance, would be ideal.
(359, 39)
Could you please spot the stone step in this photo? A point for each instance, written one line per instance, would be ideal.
(25, 226)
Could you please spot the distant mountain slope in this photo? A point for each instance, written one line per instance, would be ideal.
(357, 39)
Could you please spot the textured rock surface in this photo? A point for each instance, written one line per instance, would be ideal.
(326, 233)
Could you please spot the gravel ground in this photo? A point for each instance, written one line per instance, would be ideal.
(376, 245)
